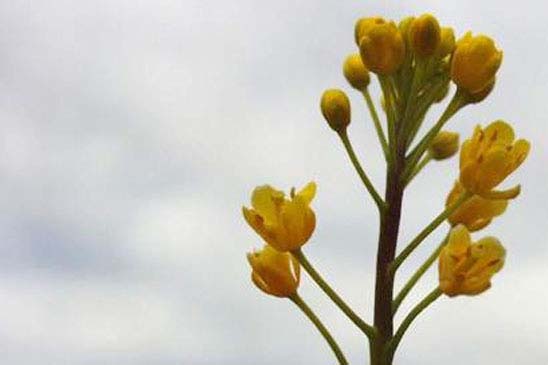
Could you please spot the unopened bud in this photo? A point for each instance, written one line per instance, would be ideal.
(447, 42)
(475, 62)
(424, 35)
(335, 108)
(481, 95)
(355, 72)
(444, 145)
(404, 26)
(382, 48)
(363, 24)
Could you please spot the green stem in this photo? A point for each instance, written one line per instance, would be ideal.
(429, 299)
(376, 121)
(415, 86)
(423, 105)
(389, 101)
(360, 323)
(427, 230)
(425, 160)
(416, 276)
(363, 176)
(295, 298)
(456, 103)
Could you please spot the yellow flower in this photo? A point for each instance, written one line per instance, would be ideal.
(447, 42)
(489, 157)
(444, 145)
(466, 268)
(475, 62)
(382, 48)
(335, 107)
(404, 26)
(476, 212)
(275, 273)
(425, 35)
(363, 24)
(482, 94)
(285, 224)
(355, 72)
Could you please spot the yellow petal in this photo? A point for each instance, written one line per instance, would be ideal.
(519, 153)
(468, 176)
(465, 152)
(459, 241)
(295, 217)
(308, 192)
(256, 222)
(266, 201)
(499, 132)
(492, 169)
(511, 193)
(478, 224)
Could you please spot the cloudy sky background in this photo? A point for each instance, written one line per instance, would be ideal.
(131, 132)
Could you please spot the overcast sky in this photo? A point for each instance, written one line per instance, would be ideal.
(131, 132)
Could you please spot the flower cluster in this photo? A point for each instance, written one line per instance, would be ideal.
(417, 63)
(285, 225)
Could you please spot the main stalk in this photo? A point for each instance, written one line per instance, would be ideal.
(388, 238)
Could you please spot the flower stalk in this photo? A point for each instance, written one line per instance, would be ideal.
(332, 294)
(361, 172)
(415, 63)
(299, 302)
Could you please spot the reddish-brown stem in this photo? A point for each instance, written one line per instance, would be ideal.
(388, 237)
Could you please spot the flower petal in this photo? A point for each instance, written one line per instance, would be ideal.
(266, 201)
(308, 192)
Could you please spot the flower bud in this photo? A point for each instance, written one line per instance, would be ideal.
(475, 62)
(275, 273)
(355, 72)
(404, 26)
(444, 145)
(363, 24)
(335, 108)
(447, 42)
(481, 95)
(382, 48)
(424, 35)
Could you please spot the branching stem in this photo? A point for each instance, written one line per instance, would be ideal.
(368, 330)
(321, 328)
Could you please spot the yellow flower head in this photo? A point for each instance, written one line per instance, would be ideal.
(482, 94)
(382, 48)
(466, 268)
(355, 72)
(275, 273)
(425, 35)
(335, 107)
(489, 157)
(404, 27)
(447, 42)
(444, 145)
(476, 212)
(363, 24)
(475, 62)
(285, 224)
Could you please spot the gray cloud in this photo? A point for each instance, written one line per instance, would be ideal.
(133, 132)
